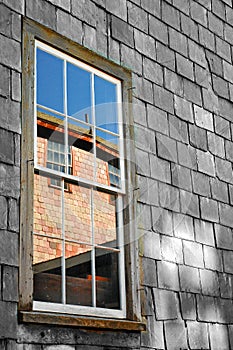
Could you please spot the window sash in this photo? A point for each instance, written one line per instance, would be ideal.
(85, 310)
(73, 309)
(76, 309)
(66, 58)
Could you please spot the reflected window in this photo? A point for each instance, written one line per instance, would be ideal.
(78, 258)
(56, 160)
(114, 175)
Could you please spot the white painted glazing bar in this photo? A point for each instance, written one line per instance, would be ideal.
(76, 309)
(120, 125)
(35, 108)
(94, 123)
(121, 258)
(63, 259)
(81, 181)
(65, 110)
(93, 251)
(92, 193)
(51, 110)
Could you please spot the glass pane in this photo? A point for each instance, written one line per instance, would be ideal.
(50, 156)
(108, 162)
(79, 93)
(50, 141)
(47, 209)
(78, 274)
(49, 81)
(105, 219)
(81, 140)
(47, 251)
(47, 269)
(107, 284)
(78, 214)
(105, 104)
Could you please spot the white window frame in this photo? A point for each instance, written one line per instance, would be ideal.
(119, 192)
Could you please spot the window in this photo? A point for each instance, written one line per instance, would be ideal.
(78, 258)
(74, 188)
(114, 175)
(56, 160)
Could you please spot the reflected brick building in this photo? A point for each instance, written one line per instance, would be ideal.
(47, 194)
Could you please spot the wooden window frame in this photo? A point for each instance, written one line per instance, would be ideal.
(33, 31)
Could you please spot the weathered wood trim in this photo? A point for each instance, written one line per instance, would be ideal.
(82, 322)
(76, 50)
(27, 156)
(32, 31)
(131, 241)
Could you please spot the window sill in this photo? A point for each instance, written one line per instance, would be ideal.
(82, 322)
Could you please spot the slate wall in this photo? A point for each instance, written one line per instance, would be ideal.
(180, 53)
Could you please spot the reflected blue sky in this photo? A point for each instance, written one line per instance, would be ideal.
(78, 92)
(105, 100)
(50, 92)
(50, 81)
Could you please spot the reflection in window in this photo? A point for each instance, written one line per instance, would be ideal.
(78, 105)
(83, 247)
(50, 87)
(77, 256)
(114, 175)
(56, 160)
(105, 103)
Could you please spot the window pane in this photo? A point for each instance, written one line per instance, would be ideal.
(105, 220)
(107, 284)
(47, 272)
(50, 156)
(78, 274)
(105, 104)
(108, 162)
(78, 214)
(47, 209)
(81, 140)
(50, 140)
(49, 81)
(79, 93)
(47, 251)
